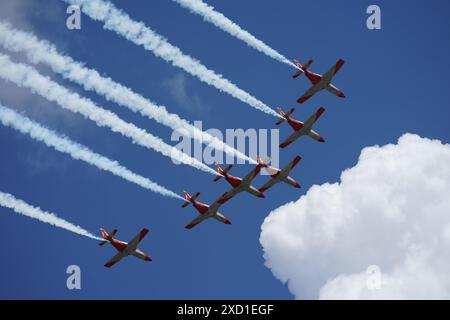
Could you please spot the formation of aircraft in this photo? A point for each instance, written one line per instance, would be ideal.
(238, 184)
(276, 175)
(318, 81)
(124, 249)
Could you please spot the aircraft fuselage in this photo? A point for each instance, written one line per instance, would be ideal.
(201, 207)
(313, 77)
(234, 181)
(295, 124)
(119, 245)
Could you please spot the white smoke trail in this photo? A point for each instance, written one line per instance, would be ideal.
(77, 151)
(26, 76)
(38, 51)
(219, 20)
(9, 201)
(137, 32)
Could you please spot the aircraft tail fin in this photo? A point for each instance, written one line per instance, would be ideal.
(104, 233)
(189, 198)
(281, 112)
(106, 236)
(308, 64)
(262, 163)
(301, 68)
(299, 71)
(222, 172)
(284, 115)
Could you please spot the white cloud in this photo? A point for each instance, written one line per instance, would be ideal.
(392, 209)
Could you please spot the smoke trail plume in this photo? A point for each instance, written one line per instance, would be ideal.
(219, 20)
(77, 151)
(26, 76)
(39, 51)
(137, 32)
(9, 201)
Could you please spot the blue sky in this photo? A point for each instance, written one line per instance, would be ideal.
(395, 80)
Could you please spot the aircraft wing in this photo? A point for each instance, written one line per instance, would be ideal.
(196, 221)
(132, 245)
(291, 165)
(333, 70)
(251, 175)
(226, 196)
(310, 92)
(309, 123)
(294, 136)
(220, 217)
(119, 256)
(269, 184)
(252, 190)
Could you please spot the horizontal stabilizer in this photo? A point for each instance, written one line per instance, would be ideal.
(301, 69)
(107, 236)
(297, 74)
(284, 115)
(221, 171)
(262, 163)
(189, 198)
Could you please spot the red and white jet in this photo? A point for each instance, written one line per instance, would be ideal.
(278, 175)
(125, 249)
(300, 128)
(205, 210)
(240, 185)
(319, 82)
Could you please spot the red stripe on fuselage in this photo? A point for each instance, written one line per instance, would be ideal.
(295, 124)
(313, 77)
(201, 207)
(119, 245)
(234, 181)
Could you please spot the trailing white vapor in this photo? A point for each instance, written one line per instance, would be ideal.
(219, 20)
(77, 151)
(26, 76)
(9, 201)
(39, 51)
(137, 32)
